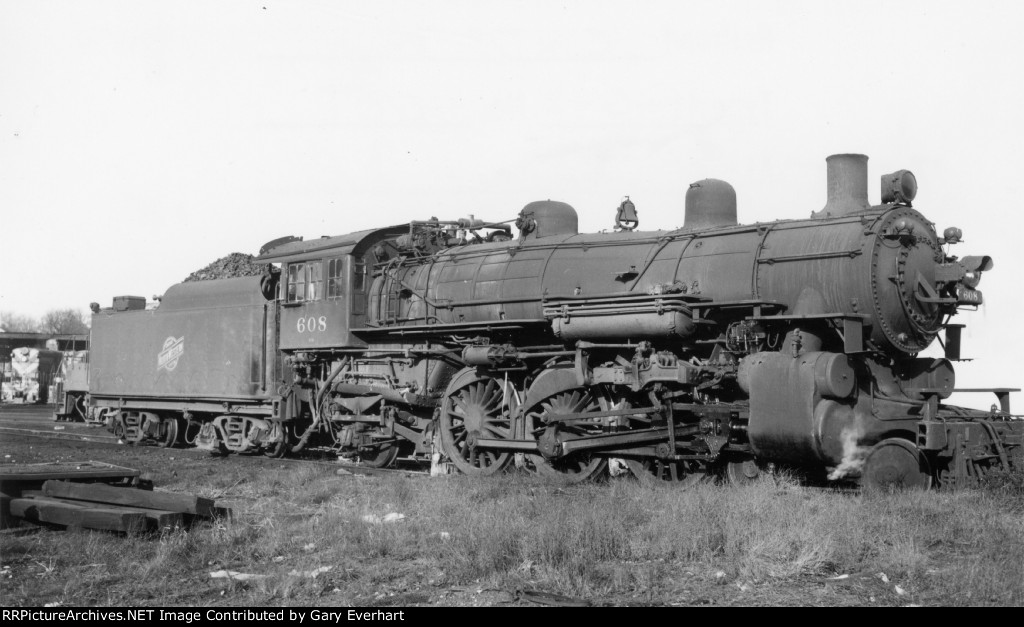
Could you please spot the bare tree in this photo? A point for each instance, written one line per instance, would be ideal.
(17, 323)
(64, 321)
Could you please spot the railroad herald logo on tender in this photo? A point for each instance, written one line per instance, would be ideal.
(172, 351)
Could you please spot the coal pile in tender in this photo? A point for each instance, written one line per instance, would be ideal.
(234, 265)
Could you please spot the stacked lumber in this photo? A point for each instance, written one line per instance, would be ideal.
(13, 475)
(16, 479)
(112, 508)
(95, 495)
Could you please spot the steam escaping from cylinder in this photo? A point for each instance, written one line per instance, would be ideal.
(853, 455)
(847, 185)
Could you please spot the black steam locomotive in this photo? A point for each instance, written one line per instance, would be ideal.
(714, 348)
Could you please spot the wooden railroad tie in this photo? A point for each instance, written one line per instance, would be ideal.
(101, 506)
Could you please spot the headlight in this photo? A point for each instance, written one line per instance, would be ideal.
(899, 187)
(971, 278)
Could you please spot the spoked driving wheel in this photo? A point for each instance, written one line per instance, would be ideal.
(473, 408)
(543, 424)
(682, 473)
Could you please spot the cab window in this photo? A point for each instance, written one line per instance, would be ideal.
(335, 278)
(359, 274)
(305, 281)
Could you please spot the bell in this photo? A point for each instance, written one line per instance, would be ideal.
(625, 217)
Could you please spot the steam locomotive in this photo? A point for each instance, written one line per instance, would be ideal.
(32, 372)
(715, 348)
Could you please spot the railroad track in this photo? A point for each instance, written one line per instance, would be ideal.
(322, 457)
(59, 435)
(315, 457)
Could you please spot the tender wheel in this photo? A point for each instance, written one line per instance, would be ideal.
(169, 432)
(117, 428)
(575, 467)
(896, 464)
(472, 409)
(685, 474)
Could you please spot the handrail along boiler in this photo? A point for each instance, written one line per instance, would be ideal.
(714, 348)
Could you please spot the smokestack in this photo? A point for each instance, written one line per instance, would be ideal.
(847, 185)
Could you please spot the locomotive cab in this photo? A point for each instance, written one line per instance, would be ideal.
(324, 285)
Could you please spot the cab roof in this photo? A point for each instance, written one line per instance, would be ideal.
(292, 249)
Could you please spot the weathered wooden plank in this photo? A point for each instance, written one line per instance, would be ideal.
(72, 516)
(158, 518)
(131, 497)
(64, 470)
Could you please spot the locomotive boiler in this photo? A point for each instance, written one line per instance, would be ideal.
(715, 348)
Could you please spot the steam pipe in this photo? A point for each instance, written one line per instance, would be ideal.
(315, 408)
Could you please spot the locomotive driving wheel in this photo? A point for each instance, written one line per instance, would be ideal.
(682, 473)
(574, 467)
(472, 409)
(896, 464)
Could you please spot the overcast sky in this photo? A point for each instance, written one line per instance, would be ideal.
(139, 141)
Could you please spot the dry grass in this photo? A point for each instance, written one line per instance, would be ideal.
(478, 541)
